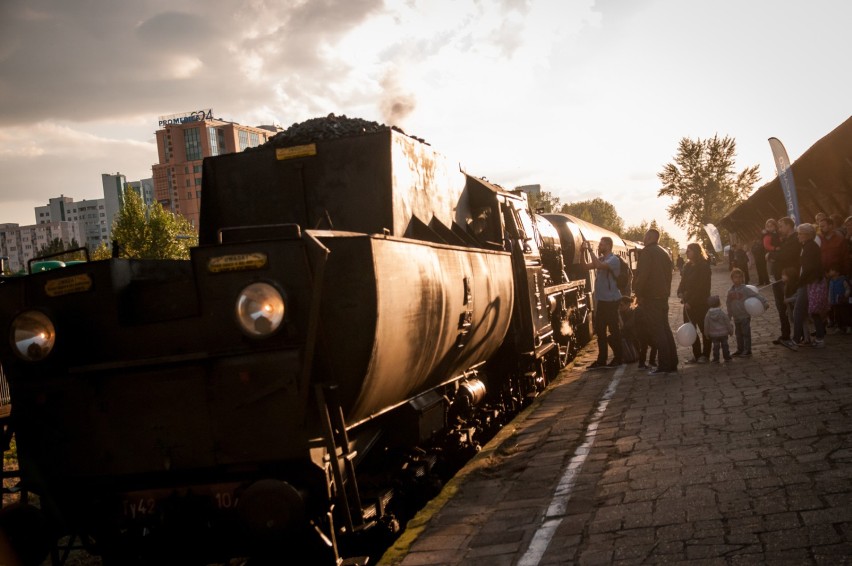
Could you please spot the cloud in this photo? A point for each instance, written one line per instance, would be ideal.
(45, 160)
(155, 56)
(176, 31)
(293, 57)
(67, 72)
(577, 96)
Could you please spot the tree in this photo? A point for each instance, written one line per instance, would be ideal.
(151, 232)
(704, 184)
(543, 202)
(637, 234)
(101, 252)
(56, 245)
(597, 211)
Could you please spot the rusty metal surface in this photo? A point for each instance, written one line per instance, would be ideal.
(424, 314)
(148, 392)
(366, 184)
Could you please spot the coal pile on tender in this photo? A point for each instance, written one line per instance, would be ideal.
(327, 128)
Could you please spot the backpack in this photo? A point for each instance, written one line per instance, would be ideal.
(624, 281)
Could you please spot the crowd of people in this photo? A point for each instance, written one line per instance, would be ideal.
(637, 325)
(811, 266)
(808, 267)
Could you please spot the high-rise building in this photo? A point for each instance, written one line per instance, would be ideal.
(144, 188)
(22, 243)
(183, 141)
(94, 217)
(113, 186)
(90, 219)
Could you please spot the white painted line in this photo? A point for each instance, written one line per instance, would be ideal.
(559, 502)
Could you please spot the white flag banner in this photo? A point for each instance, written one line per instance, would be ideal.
(785, 176)
(715, 236)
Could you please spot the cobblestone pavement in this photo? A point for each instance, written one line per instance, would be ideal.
(742, 463)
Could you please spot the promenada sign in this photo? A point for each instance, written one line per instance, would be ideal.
(184, 117)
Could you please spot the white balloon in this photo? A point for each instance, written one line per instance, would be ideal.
(686, 334)
(753, 306)
(753, 288)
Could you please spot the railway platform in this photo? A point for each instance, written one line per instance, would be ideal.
(748, 462)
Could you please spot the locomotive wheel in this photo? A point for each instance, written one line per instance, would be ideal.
(566, 339)
(571, 349)
(552, 363)
(555, 361)
(584, 332)
(565, 353)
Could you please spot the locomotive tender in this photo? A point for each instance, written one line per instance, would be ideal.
(358, 309)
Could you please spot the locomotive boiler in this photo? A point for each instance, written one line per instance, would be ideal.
(358, 311)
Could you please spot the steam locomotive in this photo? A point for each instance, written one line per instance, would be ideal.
(358, 312)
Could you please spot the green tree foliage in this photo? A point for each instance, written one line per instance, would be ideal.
(104, 251)
(597, 211)
(150, 232)
(703, 183)
(544, 202)
(637, 234)
(56, 245)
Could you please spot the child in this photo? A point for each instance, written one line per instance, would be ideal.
(737, 295)
(718, 327)
(838, 299)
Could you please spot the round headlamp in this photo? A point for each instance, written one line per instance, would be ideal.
(260, 309)
(33, 335)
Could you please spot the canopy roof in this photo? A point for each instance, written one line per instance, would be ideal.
(823, 177)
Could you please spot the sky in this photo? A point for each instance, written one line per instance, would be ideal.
(588, 98)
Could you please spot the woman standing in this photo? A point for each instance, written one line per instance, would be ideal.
(811, 282)
(694, 290)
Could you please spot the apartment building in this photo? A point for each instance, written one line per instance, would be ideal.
(22, 243)
(183, 141)
(92, 226)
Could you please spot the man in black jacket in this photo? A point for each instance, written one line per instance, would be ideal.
(653, 285)
(786, 255)
(694, 290)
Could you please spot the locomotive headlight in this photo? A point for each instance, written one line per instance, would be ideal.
(260, 309)
(33, 335)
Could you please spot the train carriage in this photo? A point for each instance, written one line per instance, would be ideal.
(573, 232)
